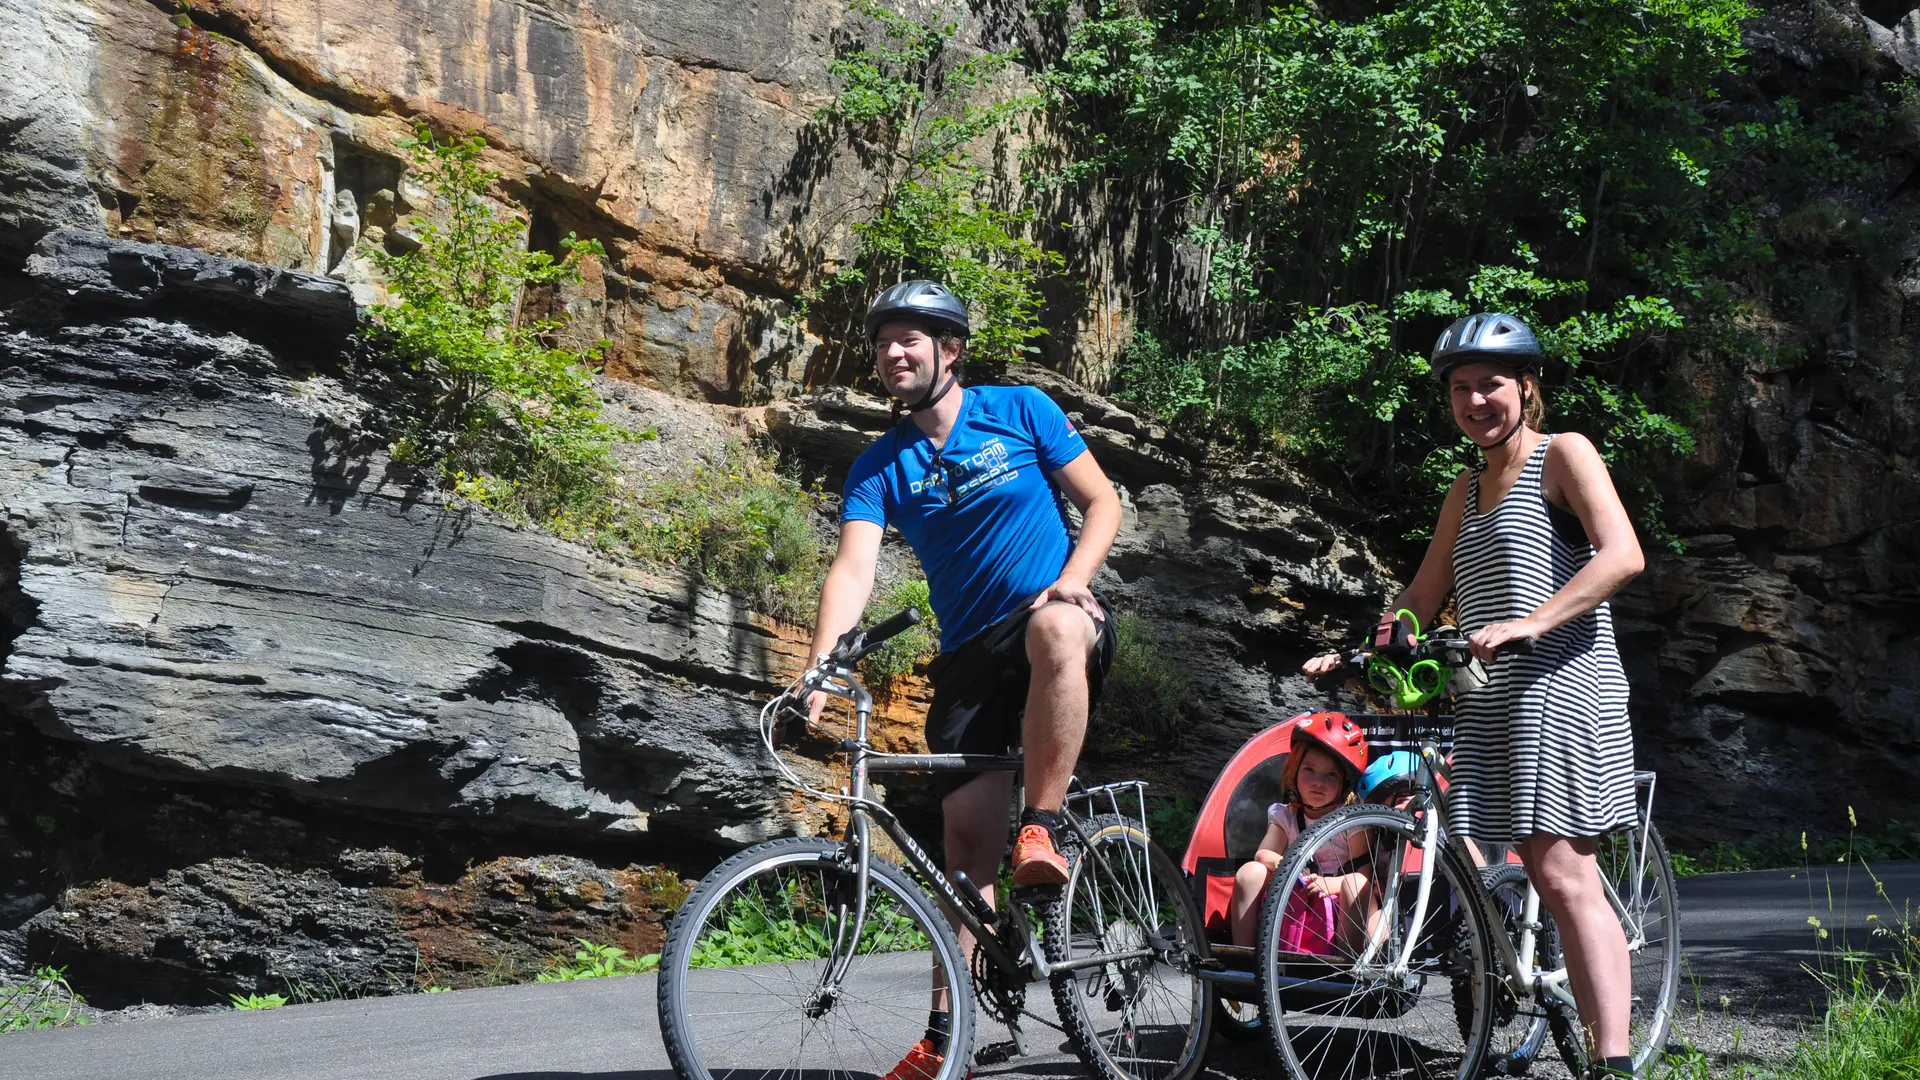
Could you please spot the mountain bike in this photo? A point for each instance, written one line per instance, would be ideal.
(817, 957)
(1445, 967)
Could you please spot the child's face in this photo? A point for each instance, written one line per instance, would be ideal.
(1319, 778)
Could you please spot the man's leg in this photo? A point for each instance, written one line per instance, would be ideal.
(975, 818)
(1060, 638)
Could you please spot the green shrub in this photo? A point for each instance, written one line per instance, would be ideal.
(908, 649)
(1776, 851)
(500, 415)
(1146, 696)
(741, 524)
(1341, 181)
(756, 931)
(591, 961)
(43, 1001)
(255, 1002)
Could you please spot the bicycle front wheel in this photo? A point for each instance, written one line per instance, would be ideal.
(1381, 988)
(1144, 1015)
(762, 975)
(1519, 1026)
(1638, 876)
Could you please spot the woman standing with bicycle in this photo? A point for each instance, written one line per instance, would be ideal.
(1535, 540)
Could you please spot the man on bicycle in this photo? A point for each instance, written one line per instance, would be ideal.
(971, 479)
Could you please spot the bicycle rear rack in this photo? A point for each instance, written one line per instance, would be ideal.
(1105, 798)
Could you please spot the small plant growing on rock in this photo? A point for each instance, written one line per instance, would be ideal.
(921, 112)
(903, 652)
(1146, 695)
(591, 961)
(43, 1001)
(502, 416)
(255, 1002)
(741, 523)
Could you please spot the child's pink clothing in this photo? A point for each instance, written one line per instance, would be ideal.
(1328, 860)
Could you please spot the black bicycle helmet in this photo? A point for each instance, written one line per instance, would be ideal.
(921, 301)
(1494, 336)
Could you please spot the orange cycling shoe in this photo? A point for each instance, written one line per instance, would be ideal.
(921, 1063)
(1035, 862)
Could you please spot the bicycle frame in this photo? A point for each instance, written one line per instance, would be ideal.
(1522, 978)
(862, 808)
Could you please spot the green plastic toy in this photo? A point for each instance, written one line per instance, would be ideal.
(1414, 686)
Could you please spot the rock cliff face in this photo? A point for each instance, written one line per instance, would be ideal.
(231, 636)
(287, 674)
(243, 661)
(673, 131)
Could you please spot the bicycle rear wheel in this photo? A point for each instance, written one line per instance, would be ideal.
(1341, 1005)
(1639, 878)
(1143, 1017)
(746, 978)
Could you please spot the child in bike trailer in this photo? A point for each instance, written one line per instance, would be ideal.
(1323, 767)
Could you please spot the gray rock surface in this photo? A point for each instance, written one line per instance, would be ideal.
(208, 589)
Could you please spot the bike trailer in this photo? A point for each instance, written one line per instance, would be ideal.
(1233, 819)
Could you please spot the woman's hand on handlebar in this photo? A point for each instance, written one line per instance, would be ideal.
(1323, 665)
(1488, 639)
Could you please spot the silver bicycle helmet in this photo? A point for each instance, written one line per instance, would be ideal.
(1493, 336)
(921, 301)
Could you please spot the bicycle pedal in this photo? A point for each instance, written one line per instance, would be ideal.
(996, 1053)
(1035, 895)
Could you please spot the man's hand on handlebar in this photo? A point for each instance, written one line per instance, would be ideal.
(1489, 639)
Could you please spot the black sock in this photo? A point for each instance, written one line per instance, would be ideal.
(1046, 819)
(939, 1026)
(1621, 1066)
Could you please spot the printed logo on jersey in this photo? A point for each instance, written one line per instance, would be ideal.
(988, 468)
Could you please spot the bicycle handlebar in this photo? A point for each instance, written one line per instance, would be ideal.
(1453, 651)
(900, 623)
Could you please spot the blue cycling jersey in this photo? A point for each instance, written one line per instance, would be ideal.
(979, 512)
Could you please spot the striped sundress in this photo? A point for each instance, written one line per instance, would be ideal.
(1544, 746)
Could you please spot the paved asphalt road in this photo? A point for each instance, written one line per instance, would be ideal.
(1746, 937)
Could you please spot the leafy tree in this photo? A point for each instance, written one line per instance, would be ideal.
(1356, 175)
(922, 114)
(503, 417)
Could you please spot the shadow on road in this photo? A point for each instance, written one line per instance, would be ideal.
(623, 1074)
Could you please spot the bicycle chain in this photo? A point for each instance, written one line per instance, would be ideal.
(999, 1001)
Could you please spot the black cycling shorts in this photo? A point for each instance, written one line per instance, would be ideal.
(980, 690)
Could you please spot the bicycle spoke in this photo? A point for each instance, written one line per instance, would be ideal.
(1332, 1016)
(745, 978)
(1140, 1018)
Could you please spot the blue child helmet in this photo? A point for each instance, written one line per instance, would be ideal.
(1390, 777)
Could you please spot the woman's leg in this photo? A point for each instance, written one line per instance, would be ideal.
(1598, 967)
(1243, 913)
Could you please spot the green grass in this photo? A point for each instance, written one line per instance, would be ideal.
(1146, 696)
(790, 929)
(742, 524)
(43, 1001)
(592, 961)
(1869, 1028)
(1779, 851)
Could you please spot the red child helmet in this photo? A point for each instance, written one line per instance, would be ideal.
(1334, 733)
